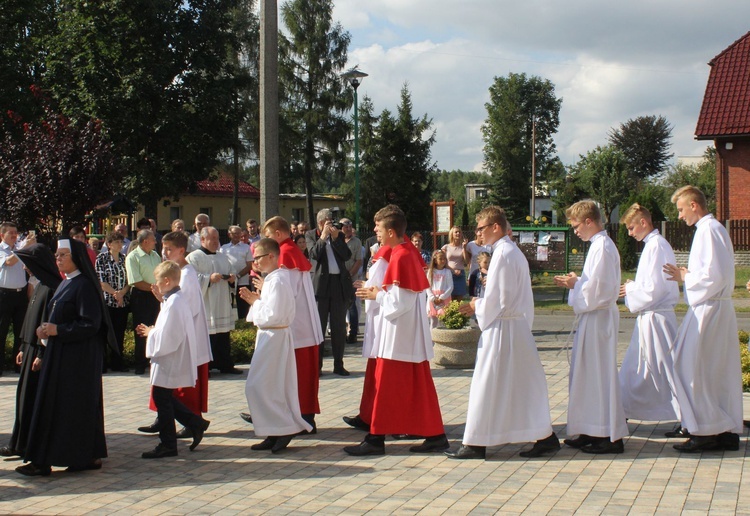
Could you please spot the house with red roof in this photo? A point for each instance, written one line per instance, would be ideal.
(725, 119)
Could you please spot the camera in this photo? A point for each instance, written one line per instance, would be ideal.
(337, 225)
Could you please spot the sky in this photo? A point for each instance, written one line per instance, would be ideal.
(609, 62)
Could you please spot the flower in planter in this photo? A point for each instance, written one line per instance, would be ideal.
(452, 318)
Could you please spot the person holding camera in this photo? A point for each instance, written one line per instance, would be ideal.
(333, 284)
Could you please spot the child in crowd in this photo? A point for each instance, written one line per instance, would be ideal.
(271, 387)
(173, 362)
(440, 277)
(478, 278)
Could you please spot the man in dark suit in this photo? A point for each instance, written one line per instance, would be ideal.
(333, 285)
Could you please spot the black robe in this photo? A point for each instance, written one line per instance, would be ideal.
(67, 427)
(29, 380)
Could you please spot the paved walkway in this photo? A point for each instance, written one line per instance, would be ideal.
(314, 475)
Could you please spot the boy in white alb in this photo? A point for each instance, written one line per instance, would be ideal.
(595, 410)
(271, 387)
(707, 368)
(647, 371)
(173, 362)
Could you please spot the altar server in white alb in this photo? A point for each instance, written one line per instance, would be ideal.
(170, 346)
(647, 371)
(707, 366)
(508, 400)
(595, 410)
(271, 387)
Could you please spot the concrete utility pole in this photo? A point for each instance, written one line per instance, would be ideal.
(269, 109)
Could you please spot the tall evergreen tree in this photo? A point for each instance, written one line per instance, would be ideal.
(396, 164)
(515, 101)
(316, 50)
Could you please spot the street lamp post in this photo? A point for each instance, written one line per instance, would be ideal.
(354, 77)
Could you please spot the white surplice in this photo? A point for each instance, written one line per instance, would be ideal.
(170, 345)
(373, 319)
(409, 340)
(647, 371)
(216, 296)
(508, 399)
(306, 330)
(707, 366)
(594, 402)
(271, 386)
(191, 291)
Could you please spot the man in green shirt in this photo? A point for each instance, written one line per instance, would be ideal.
(140, 265)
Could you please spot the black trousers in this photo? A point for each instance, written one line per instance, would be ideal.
(145, 308)
(119, 317)
(13, 305)
(222, 352)
(169, 409)
(333, 308)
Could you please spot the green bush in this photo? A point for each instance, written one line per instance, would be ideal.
(452, 318)
(242, 340)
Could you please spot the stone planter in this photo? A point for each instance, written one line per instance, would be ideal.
(455, 348)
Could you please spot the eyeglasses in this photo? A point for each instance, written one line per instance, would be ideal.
(260, 256)
(60, 256)
(482, 228)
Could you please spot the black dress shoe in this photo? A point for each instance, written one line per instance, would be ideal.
(699, 443)
(729, 441)
(580, 441)
(265, 444)
(341, 371)
(153, 428)
(184, 433)
(246, 416)
(313, 431)
(140, 370)
(351, 339)
(604, 446)
(365, 448)
(233, 370)
(32, 470)
(542, 446)
(677, 431)
(407, 437)
(356, 422)
(746, 423)
(468, 452)
(93, 465)
(7, 451)
(159, 452)
(281, 443)
(198, 431)
(438, 443)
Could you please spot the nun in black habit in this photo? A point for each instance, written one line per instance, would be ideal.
(67, 426)
(40, 262)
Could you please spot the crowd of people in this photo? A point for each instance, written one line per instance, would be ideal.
(69, 311)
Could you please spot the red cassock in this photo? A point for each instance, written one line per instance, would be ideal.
(194, 398)
(406, 401)
(308, 375)
(368, 392)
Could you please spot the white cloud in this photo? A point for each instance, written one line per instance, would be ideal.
(609, 62)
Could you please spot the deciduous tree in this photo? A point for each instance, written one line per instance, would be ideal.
(645, 142)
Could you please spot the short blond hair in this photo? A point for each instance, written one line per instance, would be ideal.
(583, 210)
(277, 223)
(168, 269)
(493, 215)
(267, 246)
(634, 212)
(691, 194)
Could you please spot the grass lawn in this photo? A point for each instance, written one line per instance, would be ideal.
(550, 297)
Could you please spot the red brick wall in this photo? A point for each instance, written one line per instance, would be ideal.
(733, 179)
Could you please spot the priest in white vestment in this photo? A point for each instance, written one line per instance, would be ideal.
(215, 275)
(595, 410)
(707, 364)
(647, 371)
(508, 399)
